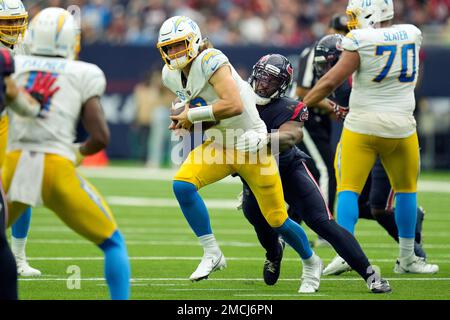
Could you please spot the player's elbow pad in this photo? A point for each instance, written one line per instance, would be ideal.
(23, 107)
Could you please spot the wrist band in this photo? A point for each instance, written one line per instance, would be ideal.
(24, 108)
(204, 113)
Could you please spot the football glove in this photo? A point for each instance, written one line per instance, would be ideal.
(251, 141)
(42, 90)
(78, 156)
(340, 111)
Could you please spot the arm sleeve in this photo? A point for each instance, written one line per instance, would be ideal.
(291, 111)
(94, 83)
(306, 68)
(212, 59)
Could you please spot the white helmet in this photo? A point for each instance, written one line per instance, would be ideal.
(179, 29)
(366, 13)
(54, 32)
(13, 21)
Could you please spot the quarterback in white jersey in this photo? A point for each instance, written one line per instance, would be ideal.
(40, 164)
(211, 90)
(383, 59)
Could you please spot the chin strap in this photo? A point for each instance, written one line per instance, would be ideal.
(262, 101)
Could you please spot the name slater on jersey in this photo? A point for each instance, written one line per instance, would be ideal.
(395, 36)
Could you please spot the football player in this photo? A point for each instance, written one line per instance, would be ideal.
(206, 77)
(383, 59)
(45, 145)
(376, 199)
(13, 24)
(284, 118)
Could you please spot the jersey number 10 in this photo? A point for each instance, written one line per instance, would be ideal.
(392, 49)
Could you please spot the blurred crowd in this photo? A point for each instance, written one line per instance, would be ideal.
(233, 22)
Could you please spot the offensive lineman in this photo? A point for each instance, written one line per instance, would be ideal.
(384, 60)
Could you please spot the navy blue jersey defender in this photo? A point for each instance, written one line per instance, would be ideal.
(300, 190)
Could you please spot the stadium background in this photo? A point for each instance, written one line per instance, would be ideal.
(120, 37)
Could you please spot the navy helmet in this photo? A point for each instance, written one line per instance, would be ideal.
(327, 53)
(271, 76)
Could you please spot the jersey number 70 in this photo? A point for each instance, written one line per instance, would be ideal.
(392, 50)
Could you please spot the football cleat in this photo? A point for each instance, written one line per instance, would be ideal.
(336, 267)
(271, 270)
(25, 270)
(209, 264)
(311, 276)
(414, 264)
(379, 285)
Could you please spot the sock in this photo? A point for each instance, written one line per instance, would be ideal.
(117, 267)
(296, 237)
(20, 228)
(18, 248)
(347, 210)
(193, 207)
(209, 244)
(310, 260)
(406, 247)
(406, 214)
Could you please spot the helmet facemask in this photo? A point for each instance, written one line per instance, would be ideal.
(181, 58)
(12, 28)
(266, 84)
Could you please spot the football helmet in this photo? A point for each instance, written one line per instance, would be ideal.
(13, 21)
(270, 77)
(54, 32)
(179, 30)
(366, 13)
(327, 53)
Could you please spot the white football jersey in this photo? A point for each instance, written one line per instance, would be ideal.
(199, 91)
(78, 82)
(382, 98)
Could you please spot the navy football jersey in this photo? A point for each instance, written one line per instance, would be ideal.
(275, 114)
(6, 69)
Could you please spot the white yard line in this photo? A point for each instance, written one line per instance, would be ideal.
(167, 202)
(234, 279)
(222, 243)
(147, 231)
(168, 258)
(167, 175)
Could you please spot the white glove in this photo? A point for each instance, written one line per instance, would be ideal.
(251, 141)
(78, 156)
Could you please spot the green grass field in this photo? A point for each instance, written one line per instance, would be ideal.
(164, 251)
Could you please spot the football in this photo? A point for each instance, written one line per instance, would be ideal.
(178, 107)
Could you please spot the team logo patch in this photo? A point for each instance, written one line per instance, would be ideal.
(304, 114)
